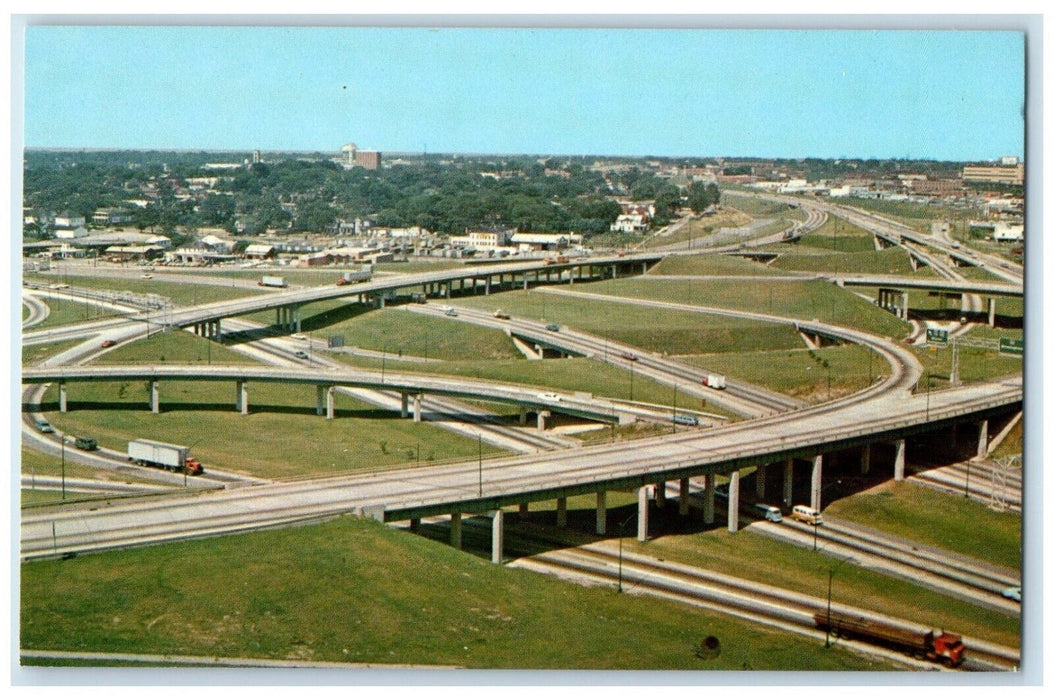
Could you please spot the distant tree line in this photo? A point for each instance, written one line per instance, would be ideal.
(308, 194)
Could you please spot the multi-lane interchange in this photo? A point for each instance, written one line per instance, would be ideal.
(780, 432)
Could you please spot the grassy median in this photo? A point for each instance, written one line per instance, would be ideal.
(356, 591)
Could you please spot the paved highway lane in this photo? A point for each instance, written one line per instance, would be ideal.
(511, 479)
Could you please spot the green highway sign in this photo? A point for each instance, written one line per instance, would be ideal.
(936, 334)
(1011, 346)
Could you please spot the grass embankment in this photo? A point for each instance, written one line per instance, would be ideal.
(568, 374)
(176, 292)
(795, 257)
(355, 591)
(914, 214)
(808, 299)
(774, 562)
(35, 354)
(705, 265)
(35, 464)
(801, 373)
(936, 519)
(65, 311)
(699, 227)
(397, 330)
(1012, 444)
(759, 208)
(975, 364)
(655, 330)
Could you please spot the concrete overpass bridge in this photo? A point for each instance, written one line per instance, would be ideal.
(892, 288)
(775, 446)
(537, 400)
(206, 319)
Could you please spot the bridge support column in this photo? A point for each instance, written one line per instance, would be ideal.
(404, 409)
(62, 397)
(708, 499)
(155, 396)
(642, 514)
(455, 530)
(541, 418)
(497, 529)
(415, 524)
(788, 482)
(898, 461)
(486, 286)
(817, 481)
(602, 512)
(982, 440)
(759, 480)
(330, 401)
(991, 312)
(733, 502)
(523, 415)
(660, 494)
(417, 408)
(298, 319)
(319, 406)
(682, 489)
(525, 509)
(904, 305)
(561, 512)
(865, 459)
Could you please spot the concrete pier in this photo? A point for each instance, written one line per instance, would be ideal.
(898, 461)
(602, 512)
(683, 489)
(708, 499)
(733, 502)
(455, 530)
(497, 528)
(155, 396)
(561, 512)
(817, 482)
(865, 459)
(62, 397)
(982, 440)
(788, 482)
(642, 514)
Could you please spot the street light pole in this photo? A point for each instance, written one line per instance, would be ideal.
(830, 580)
(63, 438)
(479, 438)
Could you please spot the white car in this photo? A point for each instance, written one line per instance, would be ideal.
(298, 336)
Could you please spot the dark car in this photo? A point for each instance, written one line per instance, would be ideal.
(552, 327)
(109, 343)
(302, 355)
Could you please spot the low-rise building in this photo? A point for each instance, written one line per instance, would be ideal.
(546, 241)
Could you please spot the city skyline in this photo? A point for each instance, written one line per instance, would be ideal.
(951, 95)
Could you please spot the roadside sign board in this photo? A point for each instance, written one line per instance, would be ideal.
(1011, 346)
(936, 335)
(336, 341)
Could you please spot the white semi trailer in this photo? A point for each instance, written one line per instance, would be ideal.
(173, 458)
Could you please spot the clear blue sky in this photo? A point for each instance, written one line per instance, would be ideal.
(921, 94)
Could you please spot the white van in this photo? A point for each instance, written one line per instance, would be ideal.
(807, 515)
(771, 513)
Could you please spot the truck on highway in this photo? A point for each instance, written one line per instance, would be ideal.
(556, 259)
(272, 281)
(944, 647)
(714, 381)
(173, 458)
(353, 277)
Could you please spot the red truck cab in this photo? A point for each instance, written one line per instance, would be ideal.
(193, 466)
